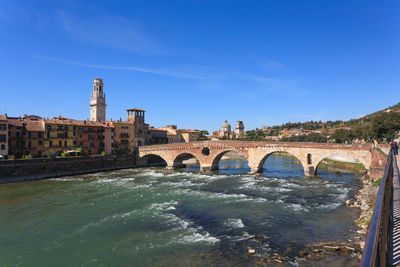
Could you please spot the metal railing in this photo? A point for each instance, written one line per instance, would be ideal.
(376, 247)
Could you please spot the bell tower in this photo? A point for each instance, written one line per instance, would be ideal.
(98, 101)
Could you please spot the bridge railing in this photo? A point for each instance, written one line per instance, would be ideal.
(376, 247)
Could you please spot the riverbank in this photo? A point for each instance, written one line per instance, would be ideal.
(335, 165)
(365, 200)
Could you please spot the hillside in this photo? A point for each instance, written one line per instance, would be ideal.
(380, 126)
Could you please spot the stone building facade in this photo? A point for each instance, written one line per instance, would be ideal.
(98, 101)
(239, 129)
(3, 135)
(136, 116)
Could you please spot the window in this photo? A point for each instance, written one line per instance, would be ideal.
(29, 144)
(112, 144)
(40, 142)
(51, 144)
(3, 126)
(3, 147)
(66, 134)
(74, 142)
(18, 134)
(29, 135)
(39, 134)
(60, 143)
(91, 145)
(3, 138)
(74, 134)
(65, 143)
(80, 143)
(309, 159)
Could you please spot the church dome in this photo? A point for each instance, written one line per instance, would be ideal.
(226, 125)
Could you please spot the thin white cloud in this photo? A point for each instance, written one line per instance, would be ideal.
(218, 76)
(193, 72)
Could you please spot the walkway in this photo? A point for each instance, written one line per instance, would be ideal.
(394, 245)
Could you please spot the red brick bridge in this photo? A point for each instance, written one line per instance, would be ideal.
(209, 153)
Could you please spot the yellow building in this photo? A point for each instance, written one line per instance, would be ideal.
(124, 139)
(59, 135)
(176, 135)
(33, 143)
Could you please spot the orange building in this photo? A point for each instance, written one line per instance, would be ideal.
(90, 137)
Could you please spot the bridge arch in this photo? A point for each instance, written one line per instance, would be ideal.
(260, 165)
(178, 161)
(216, 160)
(346, 158)
(153, 159)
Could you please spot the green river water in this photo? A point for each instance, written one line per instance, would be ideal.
(156, 217)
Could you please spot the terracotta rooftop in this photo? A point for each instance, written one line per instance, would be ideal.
(14, 121)
(3, 117)
(61, 120)
(34, 125)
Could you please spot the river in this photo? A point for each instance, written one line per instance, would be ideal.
(157, 217)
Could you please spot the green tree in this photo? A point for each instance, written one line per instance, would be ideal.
(385, 125)
(343, 136)
(202, 135)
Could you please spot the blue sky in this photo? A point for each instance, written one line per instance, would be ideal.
(198, 63)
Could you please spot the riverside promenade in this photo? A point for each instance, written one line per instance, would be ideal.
(394, 241)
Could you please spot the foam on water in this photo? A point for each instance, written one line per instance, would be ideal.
(67, 179)
(196, 237)
(234, 223)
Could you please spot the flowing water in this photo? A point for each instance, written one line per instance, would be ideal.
(155, 217)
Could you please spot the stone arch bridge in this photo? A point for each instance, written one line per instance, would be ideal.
(209, 153)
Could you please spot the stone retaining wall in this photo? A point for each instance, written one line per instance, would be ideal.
(35, 169)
